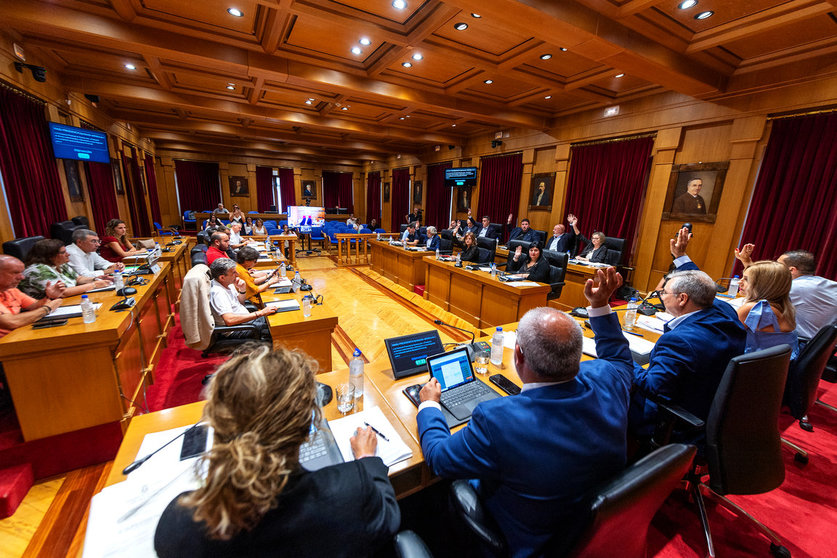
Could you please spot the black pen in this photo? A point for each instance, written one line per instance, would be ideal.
(376, 431)
(633, 333)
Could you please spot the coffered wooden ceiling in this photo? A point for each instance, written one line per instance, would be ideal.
(211, 82)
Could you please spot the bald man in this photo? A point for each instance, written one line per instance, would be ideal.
(535, 455)
(16, 308)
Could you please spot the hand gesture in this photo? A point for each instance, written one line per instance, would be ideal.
(518, 251)
(432, 391)
(240, 284)
(53, 304)
(364, 442)
(679, 243)
(55, 289)
(745, 254)
(509, 220)
(572, 220)
(607, 281)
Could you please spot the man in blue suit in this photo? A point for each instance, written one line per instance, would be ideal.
(431, 240)
(688, 361)
(537, 454)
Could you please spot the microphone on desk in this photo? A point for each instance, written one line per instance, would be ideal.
(126, 302)
(138, 463)
(472, 347)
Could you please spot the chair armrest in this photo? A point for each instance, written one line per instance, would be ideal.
(410, 545)
(678, 413)
(239, 327)
(467, 504)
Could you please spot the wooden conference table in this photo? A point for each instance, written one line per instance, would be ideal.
(405, 267)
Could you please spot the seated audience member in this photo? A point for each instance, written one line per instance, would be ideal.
(470, 252)
(48, 263)
(594, 249)
(411, 237)
(767, 312)
(16, 308)
(415, 216)
(115, 244)
(352, 222)
(523, 232)
(83, 256)
(533, 264)
(257, 500)
(373, 224)
(219, 244)
(536, 455)
(689, 359)
(258, 227)
(563, 240)
(255, 281)
(248, 225)
(485, 230)
(814, 298)
(237, 216)
(431, 239)
(470, 227)
(221, 211)
(226, 298)
(212, 224)
(236, 241)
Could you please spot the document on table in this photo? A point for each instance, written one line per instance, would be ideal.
(283, 305)
(124, 516)
(485, 268)
(70, 311)
(639, 346)
(523, 284)
(102, 289)
(650, 323)
(509, 339)
(283, 282)
(390, 452)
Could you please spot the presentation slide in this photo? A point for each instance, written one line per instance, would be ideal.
(69, 142)
(304, 216)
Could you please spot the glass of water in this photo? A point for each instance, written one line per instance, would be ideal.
(345, 397)
(482, 358)
(306, 306)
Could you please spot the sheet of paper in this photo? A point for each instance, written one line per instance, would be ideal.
(509, 339)
(102, 289)
(650, 323)
(523, 284)
(70, 311)
(735, 302)
(283, 305)
(638, 345)
(283, 282)
(485, 268)
(390, 452)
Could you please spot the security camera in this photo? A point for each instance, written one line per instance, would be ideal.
(38, 72)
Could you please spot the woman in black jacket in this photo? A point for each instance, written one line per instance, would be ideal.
(470, 252)
(594, 251)
(533, 263)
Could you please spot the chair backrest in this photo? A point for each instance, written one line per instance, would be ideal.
(620, 512)
(445, 245)
(203, 238)
(489, 244)
(558, 259)
(379, 230)
(446, 234)
(615, 249)
(540, 236)
(198, 257)
(20, 247)
(743, 446)
(496, 229)
(485, 255)
(804, 375)
(81, 220)
(63, 231)
(403, 228)
(512, 246)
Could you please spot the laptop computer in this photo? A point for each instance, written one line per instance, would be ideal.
(320, 449)
(461, 391)
(408, 353)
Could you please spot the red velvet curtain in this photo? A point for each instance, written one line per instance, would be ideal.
(151, 181)
(606, 186)
(794, 205)
(30, 173)
(373, 197)
(399, 197)
(500, 179)
(198, 185)
(345, 195)
(264, 189)
(331, 188)
(136, 197)
(437, 212)
(102, 194)
(286, 188)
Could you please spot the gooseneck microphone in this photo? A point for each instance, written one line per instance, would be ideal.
(472, 347)
(138, 463)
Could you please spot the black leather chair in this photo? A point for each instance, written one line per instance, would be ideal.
(540, 237)
(203, 238)
(512, 246)
(615, 249)
(497, 230)
(63, 231)
(615, 518)
(485, 256)
(446, 234)
(445, 246)
(20, 247)
(489, 244)
(82, 220)
(403, 228)
(742, 449)
(557, 271)
(198, 254)
(409, 545)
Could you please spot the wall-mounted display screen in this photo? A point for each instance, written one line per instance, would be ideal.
(464, 176)
(304, 216)
(69, 142)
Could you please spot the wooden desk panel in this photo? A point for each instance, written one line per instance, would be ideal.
(405, 267)
(295, 331)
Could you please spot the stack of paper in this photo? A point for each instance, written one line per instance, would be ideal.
(639, 347)
(283, 305)
(390, 452)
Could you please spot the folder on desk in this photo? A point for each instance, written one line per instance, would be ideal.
(283, 305)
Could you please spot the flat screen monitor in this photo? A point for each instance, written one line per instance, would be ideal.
(464, 176)
(69, 142)
(408, 353)
(304, 216)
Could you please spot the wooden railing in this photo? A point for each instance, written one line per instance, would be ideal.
(358, 241)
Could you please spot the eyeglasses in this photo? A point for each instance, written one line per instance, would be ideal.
(94, 240)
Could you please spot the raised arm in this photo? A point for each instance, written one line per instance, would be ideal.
(745, 255)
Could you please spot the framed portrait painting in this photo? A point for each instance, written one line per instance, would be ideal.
(73, 179)
(694, 191)
(117, 176)
(463, 199)
(417, 191)
(386, 192)
(239, 186)
(540, 190)
(309, 189)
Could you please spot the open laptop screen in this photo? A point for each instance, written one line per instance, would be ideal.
(408, 353)
(451, 369)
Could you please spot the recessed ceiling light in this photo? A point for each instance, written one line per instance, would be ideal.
(475, 15)
(309, 102)
(488, 81)
(231, 86)
(563, 49)
(417, 56)
(548, 97)
(399, 4)
(365, 41)
(407, 64)
(130, 66)
(400, 118)
(686, 4)
(235, 12)
(704, 15)
(408, 116)
(546, 56)
(344, 108)
(619, 75)
(356, 50)
(453, 125)
(461, 26)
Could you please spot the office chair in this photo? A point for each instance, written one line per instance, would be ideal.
(489, 244)
(161, 231)
(20, 247)
(198, 255)
(512, 246)
(409, 545)
(63, 231)
(189, 219)
(615, 248)
(445, 246)
(557, 271)
(742, 447)
(81, 220)
(614, 519)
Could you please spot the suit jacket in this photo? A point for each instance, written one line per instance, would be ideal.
(471, 254)
(539, 273)
(537, 454)
(489, 233)
(687, 203)
(195, 313)
(518, 234)
(343, 510)
(566, 242)
(598, 255)
(434, 242)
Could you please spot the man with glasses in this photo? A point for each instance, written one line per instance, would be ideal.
(84, 258)
(689, 359)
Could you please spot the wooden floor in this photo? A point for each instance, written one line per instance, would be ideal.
(44, 523)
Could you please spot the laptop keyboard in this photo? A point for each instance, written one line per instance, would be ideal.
(461, 394)
(313, 448)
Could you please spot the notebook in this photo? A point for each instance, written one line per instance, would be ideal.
(461, 391)
(390, 448)
(408, 353)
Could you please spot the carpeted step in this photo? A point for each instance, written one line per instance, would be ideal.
(15, 482)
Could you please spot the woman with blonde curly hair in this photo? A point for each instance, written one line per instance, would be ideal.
(767, 311)
(256, 499)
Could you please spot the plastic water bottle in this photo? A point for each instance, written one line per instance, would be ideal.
(497, 347)
(438, 253)
(630, 315)
(117, 280)
(493, 269)
(356, 372)
(459, 258)
(157, 250)
(88, 314)
(297, 282)
(379, 236)
(733, 286)
(283, 272)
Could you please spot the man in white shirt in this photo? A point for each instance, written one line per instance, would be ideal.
(226, 296)
(83, 256)
(221, 211)
(236, 241)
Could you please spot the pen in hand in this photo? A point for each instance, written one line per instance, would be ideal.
(376, 431)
